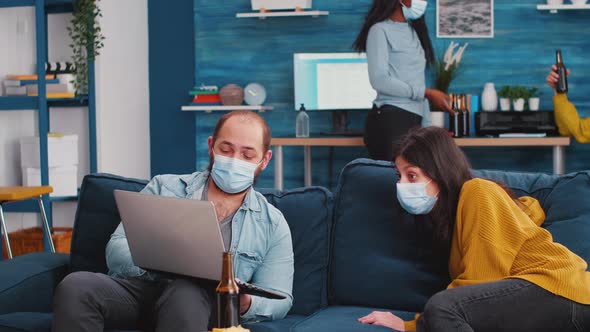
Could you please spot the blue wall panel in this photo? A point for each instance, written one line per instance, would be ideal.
(171, 63)
(232, 50)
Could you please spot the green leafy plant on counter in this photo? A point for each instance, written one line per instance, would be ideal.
(87, 40)
(504, 92)
(517, 92)
(534, 92)
(446, 69)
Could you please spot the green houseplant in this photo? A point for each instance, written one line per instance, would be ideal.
(87, 40)
(446, 69)
(504, 95)
(519, 94)
(534, 99)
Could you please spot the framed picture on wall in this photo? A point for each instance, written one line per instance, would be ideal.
(465, 18)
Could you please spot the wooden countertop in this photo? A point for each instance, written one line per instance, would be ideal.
(469, 141)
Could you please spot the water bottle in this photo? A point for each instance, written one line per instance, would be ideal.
(302, 123)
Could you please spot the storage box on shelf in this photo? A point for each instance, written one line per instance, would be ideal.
(63, 179)
(62, 163)
(61, 151)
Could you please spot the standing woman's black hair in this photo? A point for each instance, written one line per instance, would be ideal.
(381, 10)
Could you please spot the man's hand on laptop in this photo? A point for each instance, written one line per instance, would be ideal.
(245, 301)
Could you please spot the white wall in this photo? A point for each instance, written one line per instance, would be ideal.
(121, 90)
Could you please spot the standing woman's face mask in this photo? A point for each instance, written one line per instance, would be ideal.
(416, 9)
(416, 192)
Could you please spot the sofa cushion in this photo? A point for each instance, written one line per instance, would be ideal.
(96, 219)
(308, 212)
(344, 319)
(565, 200)
(27, 282)
(282, 325)
(381, 255)
(31, 322)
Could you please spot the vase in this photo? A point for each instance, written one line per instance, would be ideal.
(534, 103)
(489, 98)
(518, 104)
(505, 104)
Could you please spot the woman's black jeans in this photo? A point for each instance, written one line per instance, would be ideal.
(384, 126)
(506, 305)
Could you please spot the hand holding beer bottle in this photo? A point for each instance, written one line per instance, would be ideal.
(557, 77)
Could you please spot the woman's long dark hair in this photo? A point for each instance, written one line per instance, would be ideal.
(381, 10)
(433, 150)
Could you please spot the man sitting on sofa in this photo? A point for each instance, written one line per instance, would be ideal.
(252, 229)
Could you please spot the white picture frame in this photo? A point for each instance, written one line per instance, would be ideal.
(476, 17)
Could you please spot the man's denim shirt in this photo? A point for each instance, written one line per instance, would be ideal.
(261, 244)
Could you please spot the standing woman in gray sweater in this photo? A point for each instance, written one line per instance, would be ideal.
(395, 38)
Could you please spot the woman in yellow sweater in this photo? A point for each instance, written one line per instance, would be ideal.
(507, 273)
(566, 117)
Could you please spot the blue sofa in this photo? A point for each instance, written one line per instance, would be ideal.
(355, 249)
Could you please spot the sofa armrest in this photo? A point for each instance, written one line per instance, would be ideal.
(27, 282)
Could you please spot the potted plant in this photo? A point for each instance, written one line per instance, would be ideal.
(534, 99)
(446, 69)
(518, 94)
(87, 40)
(504, 95)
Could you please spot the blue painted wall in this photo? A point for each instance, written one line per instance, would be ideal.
(231, 50)
(171, 63)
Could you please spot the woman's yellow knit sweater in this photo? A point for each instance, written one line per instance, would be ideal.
(495, 238)
(568, 121)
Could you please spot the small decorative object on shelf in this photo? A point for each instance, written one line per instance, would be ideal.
(231, 95)
(489, 98)
(553, 6)
(504, 95)
(254, 94)
(205, 95)
(534, 99)
(275, 8)
(264, 5)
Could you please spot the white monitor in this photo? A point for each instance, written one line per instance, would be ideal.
(332, 81)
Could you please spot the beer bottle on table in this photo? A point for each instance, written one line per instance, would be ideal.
(561, 85)
(228, 295)
(465, 116)
(458, 118)
(452, 117)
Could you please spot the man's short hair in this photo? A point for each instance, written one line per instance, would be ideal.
(247, 116)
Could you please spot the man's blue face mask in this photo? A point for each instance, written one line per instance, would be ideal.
(415, 11)
(232, 175)
(414, 199)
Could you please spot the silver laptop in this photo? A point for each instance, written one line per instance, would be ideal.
(163, 232)
(176, 235)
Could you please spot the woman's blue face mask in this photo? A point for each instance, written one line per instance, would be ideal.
(415, 11)
(414, 198)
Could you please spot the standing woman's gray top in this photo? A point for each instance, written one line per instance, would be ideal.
(396, 66)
